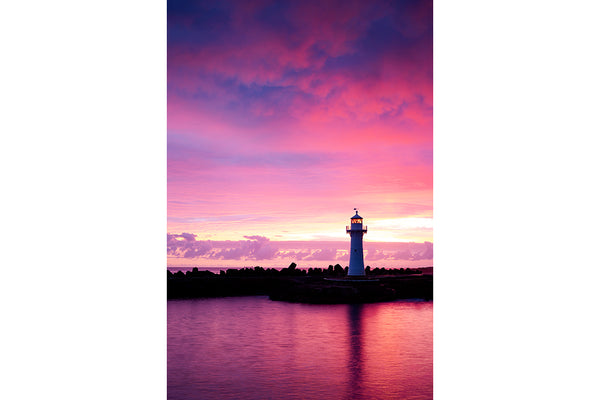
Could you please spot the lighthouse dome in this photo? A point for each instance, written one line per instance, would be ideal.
(356, 216)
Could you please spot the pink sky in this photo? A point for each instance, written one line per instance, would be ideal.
(284, 116)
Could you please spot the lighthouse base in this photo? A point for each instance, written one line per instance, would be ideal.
(356, 275)
(352, 279)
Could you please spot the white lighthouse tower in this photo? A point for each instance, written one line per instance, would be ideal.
(356, 231)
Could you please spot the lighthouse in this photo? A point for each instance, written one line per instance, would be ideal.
(356, 231)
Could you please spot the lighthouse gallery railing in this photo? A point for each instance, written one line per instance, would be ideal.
(348, 229)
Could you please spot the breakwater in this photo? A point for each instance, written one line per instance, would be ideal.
(327, 286)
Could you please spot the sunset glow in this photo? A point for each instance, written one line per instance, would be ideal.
(283, 117)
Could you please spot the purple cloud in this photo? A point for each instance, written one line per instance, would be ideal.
(322, 255)
(256, 247)
(185, 245)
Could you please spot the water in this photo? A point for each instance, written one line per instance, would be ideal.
(255, 348)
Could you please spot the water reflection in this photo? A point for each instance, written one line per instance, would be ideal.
(355, 360)
(254, 348)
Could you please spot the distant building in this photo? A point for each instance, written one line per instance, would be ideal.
(356, 231)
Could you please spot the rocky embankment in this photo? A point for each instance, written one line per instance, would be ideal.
(312, 286)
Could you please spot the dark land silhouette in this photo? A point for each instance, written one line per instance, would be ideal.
(315, 285)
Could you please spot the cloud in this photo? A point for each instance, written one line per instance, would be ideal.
(401, 255)
(257, 247)
(426, 253)
(267, 62)
(322, 255)
(375, 255)
(344, 256)
(414, 251)
(189, 237)
(293, 255)
(258, 238)
(185, 245)
(276, 105)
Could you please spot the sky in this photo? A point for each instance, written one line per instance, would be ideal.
(283, 117)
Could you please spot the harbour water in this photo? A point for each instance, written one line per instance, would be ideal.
(255, 348)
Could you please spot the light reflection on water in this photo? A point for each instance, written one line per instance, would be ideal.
(255, 348)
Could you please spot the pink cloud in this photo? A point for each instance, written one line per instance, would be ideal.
(318, 106)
